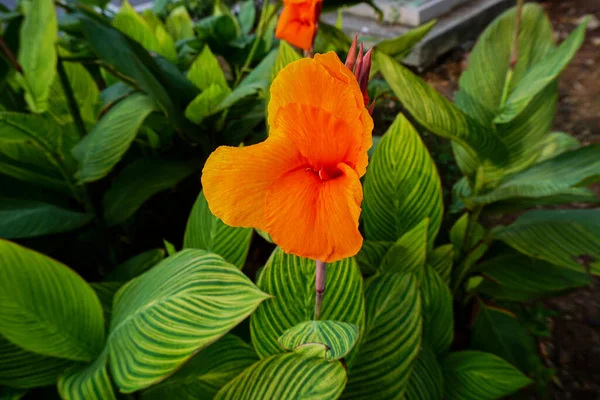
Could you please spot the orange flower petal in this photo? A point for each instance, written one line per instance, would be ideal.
(313, 218)
(235, 179)
(296, 25)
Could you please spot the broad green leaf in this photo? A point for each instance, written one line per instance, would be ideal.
(179, 24)
(517, 277)
(287, 377)
(338, 337)
(20, 368)
(164, 316)
(479, 376)
(206, 103)
(87, 382)
(219, 30)
(138, 182)
(438, 318)
(541, 74)
(25, 218)
(458, 231)
(391, 339)
(556, 176)
(208, 371)
(556, 143)
(570, 238)
(207, 232)
(136, 265)
(402, 186)
(291, 282)
(426, 382)
(409, 252)
(371, 254)
(205, 71)
(400, 46)
(438, 115)
(128, 21)
(107, 143)
(286, 54)
(441, 260)
(37, 53)
(30, 150)
(498, 331)
(330, 38)
(169, 247)
(247, 16)
(64, 319)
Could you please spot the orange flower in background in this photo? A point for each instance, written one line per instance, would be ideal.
(298, 22)
(302, 184)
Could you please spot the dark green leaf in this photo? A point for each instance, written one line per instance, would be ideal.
(441, 260)
(426, 382)
(136, 265)
(438, 319)
(371, 254)
(246, 16)
(338, 337)
(409, 252)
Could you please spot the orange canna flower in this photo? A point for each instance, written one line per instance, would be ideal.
(298, 22)
(302, 184)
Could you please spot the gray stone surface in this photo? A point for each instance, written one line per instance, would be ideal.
(408, 12)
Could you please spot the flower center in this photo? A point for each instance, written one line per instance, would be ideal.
(328, 172)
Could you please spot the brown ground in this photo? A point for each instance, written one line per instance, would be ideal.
(574, 349)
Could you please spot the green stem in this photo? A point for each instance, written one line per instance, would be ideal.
(471, 226)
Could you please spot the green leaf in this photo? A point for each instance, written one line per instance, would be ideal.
(391, 339)
(207, 232)
(64, 318)
(106, 292)
(479, 376)
(205, 71)
(570, 238)
(25, 218)
(128, 21)
(400, 46)
(409, 252)
(218, 30)
(438, 318)
(22, 369)
(138, 182)
(541, 75)
(438, 115)
(207, 372)
(330, 38)
(286, 54)
(287, 377)
(402, 186)
(206, 103)
(371, 254)
(517, 277)
(291, 281)
(556, 143)
(556, 176)
(107, 143)
(87, 382)
(426, 382)
(179, 24)
(136, 265)
(8, 393)
(338, 337)
(169, 247)
(37, 53)
(247, 16)
(441, 260)
(164, 316)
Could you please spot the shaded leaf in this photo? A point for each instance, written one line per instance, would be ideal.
(438, 316)
(441, 260)
(409, 252)
(206, 103)
(136, 265)
(371, 254)
(426, 382)
(247, 16)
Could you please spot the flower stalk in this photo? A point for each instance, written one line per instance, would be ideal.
(320, 278)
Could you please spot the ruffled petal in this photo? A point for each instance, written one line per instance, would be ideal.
(313, 218)
(296, 25)
(235, 179)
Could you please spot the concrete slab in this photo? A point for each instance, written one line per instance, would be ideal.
(408, 12)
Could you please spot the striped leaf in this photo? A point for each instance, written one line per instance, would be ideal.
(438, 115)
(438, 318)
(474, 375)
(409, 253)
(140, 181)
(560, 175)
(136, 265)
(87, 382)
(164, 316)
(338, 337)
(570, 238)
(426, 382)
(63, 319)
(371, 254)
(102, 148)
(400, 46)
(37, 53)
(20, 368)
(291, 282)
(441, 260)
(287, 377)
(402, 186)
(206, 231)
(485, 83)
(21, 218)
(391, 340)
(207, 372)
(541, 75)
(517, 277)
